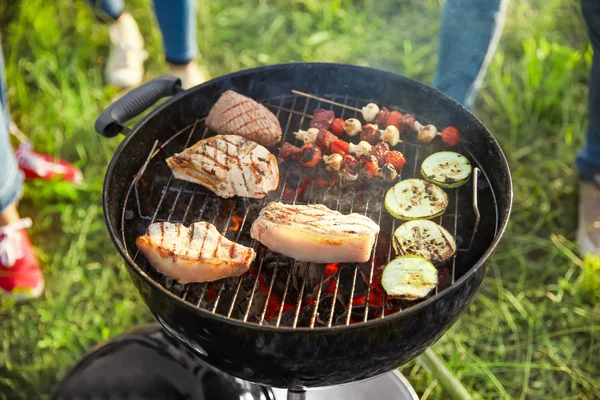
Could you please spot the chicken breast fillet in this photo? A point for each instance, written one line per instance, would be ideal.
(228, 165)
(315, 233)
(235, 114)
(195, 254)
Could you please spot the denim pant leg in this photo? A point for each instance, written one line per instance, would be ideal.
(469, 35)
(588, 159)
(11, 177)
(177, 21)
(108, 10)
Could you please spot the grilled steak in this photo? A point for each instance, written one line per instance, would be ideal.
(235, 114)
(197, 254)
(315, 233)
(229, 166)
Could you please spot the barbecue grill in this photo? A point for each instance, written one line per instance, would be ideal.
(286, 323)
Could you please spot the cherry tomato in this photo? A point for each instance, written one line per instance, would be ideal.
(337, 127)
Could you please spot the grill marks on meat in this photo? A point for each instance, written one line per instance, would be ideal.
(315, 233)
(235, 114)
(195, 254)
(228, 165)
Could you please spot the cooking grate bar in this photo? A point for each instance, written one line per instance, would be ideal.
(266, 251)
(241, 229)
(323, 275)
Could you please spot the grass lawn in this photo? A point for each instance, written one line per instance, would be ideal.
(534, 329)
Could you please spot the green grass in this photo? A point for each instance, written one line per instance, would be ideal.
(534, 329)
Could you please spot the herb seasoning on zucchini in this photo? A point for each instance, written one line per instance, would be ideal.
(409, 277)
(415, 198)
(424, 238)
(447, 169)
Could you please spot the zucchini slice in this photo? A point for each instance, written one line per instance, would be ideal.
(447, 169)
(409, 277)
(414, 199)
(424, 238)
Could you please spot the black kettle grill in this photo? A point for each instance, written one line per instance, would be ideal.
(290, 324)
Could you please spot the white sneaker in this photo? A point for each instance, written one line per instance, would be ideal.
(125, 65)
(190, 75)
(588, 231)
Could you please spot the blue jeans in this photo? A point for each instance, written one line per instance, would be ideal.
(469, 35)
(11, 177)
(177, 22)
(588, 159)
(468, 38)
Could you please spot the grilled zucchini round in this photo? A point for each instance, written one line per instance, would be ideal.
(409, 277)
(447, 169)
(424, 238)
(415, 199)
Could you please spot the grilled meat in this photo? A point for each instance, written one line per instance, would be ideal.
(370, 133)
(315, 233)
(235, 114)
(325, 139)
(289, 152)
(322, 119)
(229, 165)
(382, 117)
(195, 254)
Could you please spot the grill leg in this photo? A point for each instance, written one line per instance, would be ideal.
(296, 394)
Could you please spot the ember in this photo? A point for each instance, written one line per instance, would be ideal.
(331, 269)
(236, 222)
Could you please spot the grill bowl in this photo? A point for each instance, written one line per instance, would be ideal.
(300, 356)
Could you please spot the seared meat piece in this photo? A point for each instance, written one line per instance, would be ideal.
(315, 233)
(195, 254)
(289, 152)
(382, 117)
(379, 151)
(235, 114)
(228, 165)
(325, 139)
(322, 118)
(370, 133)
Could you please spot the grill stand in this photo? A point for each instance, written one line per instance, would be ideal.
(295, 394)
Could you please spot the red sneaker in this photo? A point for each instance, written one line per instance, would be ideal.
(43, 166)
(20, 275)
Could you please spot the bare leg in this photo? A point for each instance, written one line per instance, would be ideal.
(9, 215)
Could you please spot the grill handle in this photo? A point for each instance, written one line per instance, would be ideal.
(111, 122)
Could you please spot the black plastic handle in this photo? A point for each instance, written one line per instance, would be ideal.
(110, 122)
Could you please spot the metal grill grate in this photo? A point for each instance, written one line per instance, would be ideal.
(277, 290)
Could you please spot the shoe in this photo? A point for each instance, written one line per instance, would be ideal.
(190, 75)
(125, 65)
(588, 231)
(43, 166)
(20, 275)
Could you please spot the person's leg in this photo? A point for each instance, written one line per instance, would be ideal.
(11, 178)
(469, 35)
(588, 159)
(108, 10)
(20, 275)
(125, 63)
(177, 22)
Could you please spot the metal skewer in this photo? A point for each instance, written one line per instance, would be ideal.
(335, 103)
